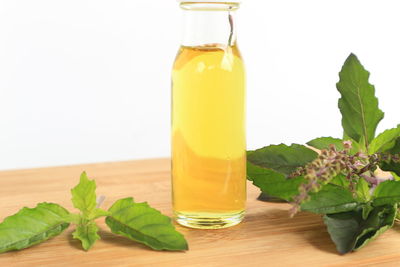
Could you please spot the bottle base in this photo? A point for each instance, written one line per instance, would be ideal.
(209, 220)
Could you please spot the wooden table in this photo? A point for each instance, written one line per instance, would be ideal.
(267, 237)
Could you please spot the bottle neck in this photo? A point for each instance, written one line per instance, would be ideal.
(209, 24)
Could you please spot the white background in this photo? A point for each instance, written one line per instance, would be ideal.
(89, 81)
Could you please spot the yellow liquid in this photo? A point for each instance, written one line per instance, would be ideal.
(208, 137)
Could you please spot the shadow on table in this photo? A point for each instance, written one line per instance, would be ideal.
(114, 240)
(305, 224)
(396, 226)
(75, 243)
(120, 241)
(107, 237)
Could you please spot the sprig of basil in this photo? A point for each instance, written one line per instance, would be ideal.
(137, 221)
(353, 220)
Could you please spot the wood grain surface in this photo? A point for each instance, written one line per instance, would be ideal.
(267, 236)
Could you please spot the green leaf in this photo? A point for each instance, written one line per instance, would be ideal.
(358, 104)
(385, 141)
(273, 183)
(366, 209)
(387, 192)
(343, 229)
(396, 147)
(84, 195)
(330, 199)
(87, 234)
(324, 142)
(282, 158)
(349, 231)
(362, 190)
(391, 165)
(31, 226)
(379, 220)
(142, 223)
(341, 181)
(84, 199)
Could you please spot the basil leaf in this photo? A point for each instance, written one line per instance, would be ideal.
(324, 142)
(142, 223)
(273, 183)
(396, 147)
(366, 209)
(362, 190)
(343, 229)
(341, 181)
(330, 199)
(385, 141)
(84, 195)
(31, 226)
(349, 231)
(358, 104)
(84, 199)
(282, 158)
(391, 165)
(379, 220)
(387, 192)
(87, 234)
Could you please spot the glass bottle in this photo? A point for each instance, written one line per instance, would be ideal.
(208, 119)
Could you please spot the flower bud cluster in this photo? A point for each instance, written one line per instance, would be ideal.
(328, 165)
(319, 172)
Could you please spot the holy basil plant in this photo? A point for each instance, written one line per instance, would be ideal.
(136, 221)
(340, 178)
